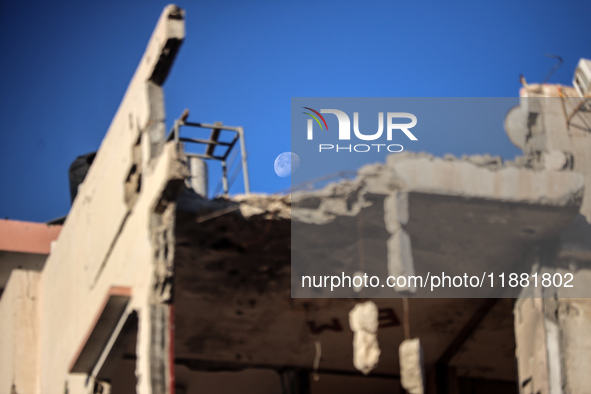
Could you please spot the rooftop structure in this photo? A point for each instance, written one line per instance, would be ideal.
(153, 288)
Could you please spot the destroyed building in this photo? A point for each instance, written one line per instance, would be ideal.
(150, 287)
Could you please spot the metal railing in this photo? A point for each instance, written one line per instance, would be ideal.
(211, 143)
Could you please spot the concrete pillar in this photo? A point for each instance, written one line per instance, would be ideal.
(552, 324)
(198, 168)
(536, 340)
(400, 261)
(553, 345)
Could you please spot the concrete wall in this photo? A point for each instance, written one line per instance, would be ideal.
(24, 245)
(553, 342)
(20, 329)
(115, 235)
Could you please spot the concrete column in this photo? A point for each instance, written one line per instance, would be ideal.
(553, 345)
(535, 336)
(552, 328)
(400, 261)
(198, 168)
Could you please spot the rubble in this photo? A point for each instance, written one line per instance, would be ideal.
(363, 320)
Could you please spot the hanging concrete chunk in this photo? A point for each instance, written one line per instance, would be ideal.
(363, 320)
(411, 366)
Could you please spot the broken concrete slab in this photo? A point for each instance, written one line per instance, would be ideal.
(412, 376)
(363, 321)
(463, 178)
(357, 225)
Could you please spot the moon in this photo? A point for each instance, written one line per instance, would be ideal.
(286, 164)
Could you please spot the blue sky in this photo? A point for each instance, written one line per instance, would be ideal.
(66, 66)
